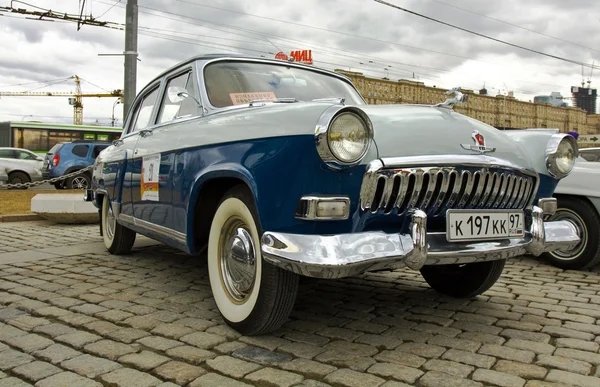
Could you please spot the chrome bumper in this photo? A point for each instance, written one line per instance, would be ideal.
(345, 255)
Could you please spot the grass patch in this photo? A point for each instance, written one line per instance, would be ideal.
(19, 201)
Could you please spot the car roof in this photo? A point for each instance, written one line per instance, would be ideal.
(21, 149)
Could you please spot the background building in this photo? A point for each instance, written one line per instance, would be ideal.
(500, 111)
(585, 98)
(554, 99)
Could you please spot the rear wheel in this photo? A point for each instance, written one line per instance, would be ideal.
(78, 182)
(463, 281)
(59, 185)
(586, 220)
(118, 239)
(18, 178)
(253, 296)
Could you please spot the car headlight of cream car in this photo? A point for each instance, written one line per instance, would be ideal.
(561, 153)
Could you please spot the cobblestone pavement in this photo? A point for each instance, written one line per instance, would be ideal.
(148, 319)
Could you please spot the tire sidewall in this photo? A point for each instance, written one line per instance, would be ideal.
(85, 176)
(108, 242)
(232, 207)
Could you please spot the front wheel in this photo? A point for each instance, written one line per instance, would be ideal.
(463, 281)
(586, 220)
(253, 296)
(18, 178)
(118, 239)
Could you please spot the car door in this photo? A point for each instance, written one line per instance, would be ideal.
(118, 163)
(154, 155)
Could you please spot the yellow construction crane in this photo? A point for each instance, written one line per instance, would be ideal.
(76, 99)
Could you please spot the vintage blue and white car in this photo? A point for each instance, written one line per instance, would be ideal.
(278, 169)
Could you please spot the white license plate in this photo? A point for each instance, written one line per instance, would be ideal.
(473, 225)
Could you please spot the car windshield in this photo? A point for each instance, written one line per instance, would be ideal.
(234, 83)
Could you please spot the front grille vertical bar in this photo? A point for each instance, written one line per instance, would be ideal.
(367, 190)
(479, 189)
(516, 195)
(416, 189)
(443, 190)
(495, 189)
(455, 190)
(509, 191)
(491, 181)
(433, 178)
(526, 193)
(468, 189)
(502, 191)
(387, 191)
(402, 191)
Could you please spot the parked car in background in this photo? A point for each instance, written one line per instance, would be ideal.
(67, 157)
(590, 154)
(579, 203)
(279, 169)
(3, 177)
(21, 165)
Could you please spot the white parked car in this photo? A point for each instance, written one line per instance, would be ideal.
(3, 177)
(579, 202)
(21, 165)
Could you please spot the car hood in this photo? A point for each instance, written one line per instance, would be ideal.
(418, 130)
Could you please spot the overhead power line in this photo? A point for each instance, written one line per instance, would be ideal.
(515, 25)
(484, 36)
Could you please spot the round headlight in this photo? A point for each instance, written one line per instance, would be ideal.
(561, 156)
(348, 138)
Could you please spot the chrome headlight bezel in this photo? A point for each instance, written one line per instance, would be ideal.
(553, 153)
(322, 132)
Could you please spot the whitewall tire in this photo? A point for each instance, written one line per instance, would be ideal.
(253, 296)
(118, 239)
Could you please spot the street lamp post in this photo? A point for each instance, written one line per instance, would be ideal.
(118, 101)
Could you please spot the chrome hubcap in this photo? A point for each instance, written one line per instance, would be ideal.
(79, 183)
(237, 260)
(111, 223)
(575, 220)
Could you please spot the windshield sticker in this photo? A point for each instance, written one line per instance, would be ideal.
(149, 182)
(245, 98)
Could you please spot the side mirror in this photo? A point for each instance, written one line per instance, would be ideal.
(177, 94)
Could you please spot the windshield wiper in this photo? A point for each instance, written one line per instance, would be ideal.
(276, 100)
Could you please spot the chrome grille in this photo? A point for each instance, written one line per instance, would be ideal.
(436, 189)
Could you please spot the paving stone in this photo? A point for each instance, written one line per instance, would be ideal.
(308, 368)
(213, 380)
(524, 335)
(54, 329)
(172, 331)
(301, 350)
(424, 350)
(127, 335)
(29, 343)
(564, 363)
(87, 309)
(89, 366)
(10, 359)
(477, 360)
(593, 358)
(78, 340)
(543, 383)
(27, 323)
(76, 319)
(307, 338)
(451, 342)
(231, 366)
(449, 367)
(396, 371)
(178, 372)
(109, 349)
(190, 354)
(569, 333)
(404, 358)
(344, 360)
(350, 378)
(56, 353)
(498, 378)
(35, 371)
(351, 348)
(159, 343)
(577, 344)
(572, 379)
(261, 356)
(51, 311)
(228, 347)
(507, 353)
(203, 340)
(538, 348)
(525, 371)
(197, 324)
(13, 382)
(7, 332)
(127, 377)
(144, 360)
(65, 379)
(102, 327)
(267, 342)
(378, 341)
(142, 322)
(336, 333)
(440, 379)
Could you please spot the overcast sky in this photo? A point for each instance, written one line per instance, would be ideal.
(357, 35)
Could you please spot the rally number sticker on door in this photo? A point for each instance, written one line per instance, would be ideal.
(149, 183)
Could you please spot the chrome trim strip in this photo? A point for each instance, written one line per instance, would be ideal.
(178, 236)
(455, 161)
(343, 255)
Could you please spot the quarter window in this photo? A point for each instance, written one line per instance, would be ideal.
(6, 153)
(144, 111)
(173, 108)
(26, 156)
(80, 150)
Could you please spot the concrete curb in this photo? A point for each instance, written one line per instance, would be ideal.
(19, 218)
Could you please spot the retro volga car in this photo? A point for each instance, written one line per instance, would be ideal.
(277, 169)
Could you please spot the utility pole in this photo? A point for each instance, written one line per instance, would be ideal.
(131, 33)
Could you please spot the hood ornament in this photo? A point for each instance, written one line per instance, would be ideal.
(459, 97)
(479, 144)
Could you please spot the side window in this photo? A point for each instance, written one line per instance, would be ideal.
(6, 153)
(172, 106)
(26, 156)
(98, 149)
(80, 150)
(144, 111)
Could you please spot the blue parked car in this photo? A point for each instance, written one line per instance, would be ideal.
(67, 157)
(273, 169)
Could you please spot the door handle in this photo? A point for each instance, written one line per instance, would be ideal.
(146, 132)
